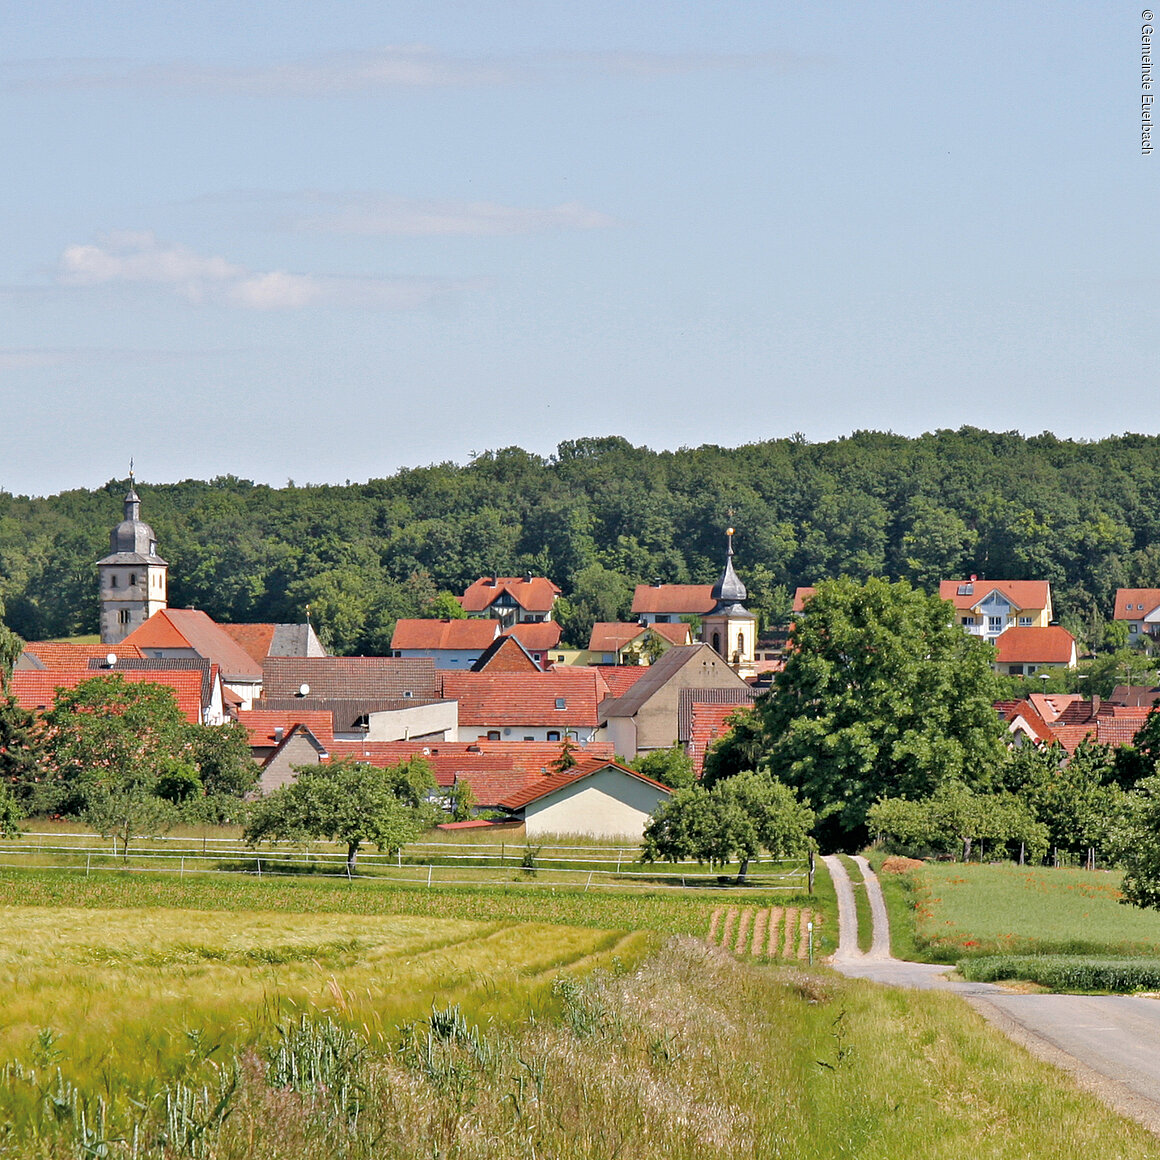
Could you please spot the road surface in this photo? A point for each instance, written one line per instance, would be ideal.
(1110, 1043)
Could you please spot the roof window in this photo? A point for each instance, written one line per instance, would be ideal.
(561, 703)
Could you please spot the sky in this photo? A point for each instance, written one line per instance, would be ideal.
(317, 242)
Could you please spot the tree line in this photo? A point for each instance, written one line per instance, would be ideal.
(600, 516)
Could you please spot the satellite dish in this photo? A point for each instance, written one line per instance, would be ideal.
(303, 690)
(110, 660)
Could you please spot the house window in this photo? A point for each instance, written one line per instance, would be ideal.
(662, 619)
(741, 643)
(112, 581)
(717, 642)
(493, 735)
(968, 620)
(1025, 621)
(123, 616)
(994, 624)
(132, 579)
(529, 738)
(553, 735)
(1133, 628)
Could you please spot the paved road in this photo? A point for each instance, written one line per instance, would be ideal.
(1110, 1043)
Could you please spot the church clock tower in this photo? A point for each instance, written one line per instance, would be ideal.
(731, 629)
(132, 577)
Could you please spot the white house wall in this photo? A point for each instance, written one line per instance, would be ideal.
(415, 721)
(607, 805)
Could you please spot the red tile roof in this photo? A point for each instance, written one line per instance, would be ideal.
(261, 724)
(443, 634)
(620, 678)
(507, 654)
(708, 725)
(611, 636)
(535, 595)
(1136, 603)
(494, 769)
(536, 636)
(35, 689)
(191, 628)
(254, 639)
(1033, 723)
(673, 599)
(1050, 706)
(553, 782)
(800, 596)
(1045, 646)
(528, 699)
(57, 654)
(1021, 594)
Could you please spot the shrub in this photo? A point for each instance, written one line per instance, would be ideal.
(1069, 973)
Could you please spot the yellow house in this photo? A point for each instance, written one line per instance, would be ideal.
(987, 608)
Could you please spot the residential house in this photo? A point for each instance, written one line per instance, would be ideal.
(527, 706)
(56, 654)
(1140, 609)
(451, 644)
(175, 633)
(380, 697)
(276, 640)
(647, 716)
(596, 798)
(267, 729)
(629, 643)
(987, 608)
(1025, 651)
(36, 689)
(511, 599)
(506, 654)
(659, 603)
(541, 639)
(703, 718)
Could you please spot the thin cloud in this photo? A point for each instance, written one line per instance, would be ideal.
(393, 67)
(372, 215)
(141, 259)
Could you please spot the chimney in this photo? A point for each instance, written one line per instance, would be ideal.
(489, 581)
(527, 577)
(1095, 704)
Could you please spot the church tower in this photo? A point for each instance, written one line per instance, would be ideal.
(132, 577)
(731, 629)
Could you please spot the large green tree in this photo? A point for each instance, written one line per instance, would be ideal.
(882, 695)
(738, 819)
(344, 801)
(109, 736)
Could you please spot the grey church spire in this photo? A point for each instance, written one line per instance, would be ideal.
(133, 577)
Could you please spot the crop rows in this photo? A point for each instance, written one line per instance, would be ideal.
(762, 931)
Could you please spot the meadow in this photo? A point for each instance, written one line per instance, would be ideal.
(148, 1017)
(958, 910)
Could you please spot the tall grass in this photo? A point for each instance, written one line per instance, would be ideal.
(692, 1055)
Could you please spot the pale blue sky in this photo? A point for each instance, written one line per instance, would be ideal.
(321, 241)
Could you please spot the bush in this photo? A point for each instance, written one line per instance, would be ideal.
(1068, 973)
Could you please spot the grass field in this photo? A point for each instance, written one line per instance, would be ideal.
(962, 910)
(693, 1054)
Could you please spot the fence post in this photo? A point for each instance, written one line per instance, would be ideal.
(399, 857)
(259, 867)
(619, 852)
(348, 877)
(88, 864)
(589, 882)
(181, 872)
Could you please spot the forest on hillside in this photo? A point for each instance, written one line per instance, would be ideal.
(600, 516)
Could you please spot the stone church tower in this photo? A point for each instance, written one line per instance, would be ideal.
(731, 629)
(132, 578)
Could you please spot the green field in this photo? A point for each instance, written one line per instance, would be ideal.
(149, 1018)
(965, 910)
